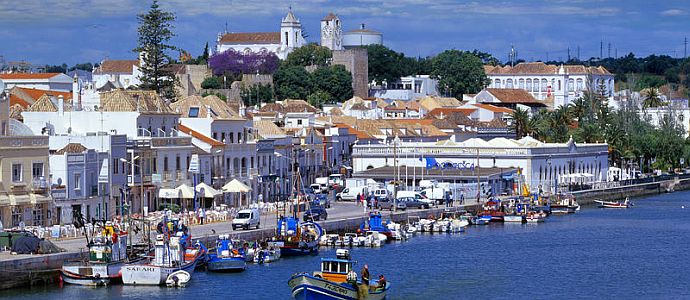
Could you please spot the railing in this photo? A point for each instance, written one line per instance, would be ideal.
(23, 141)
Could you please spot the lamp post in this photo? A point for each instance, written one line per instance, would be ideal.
(396, 175)
(141, 177)
(551, 173)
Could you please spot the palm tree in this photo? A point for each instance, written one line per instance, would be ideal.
(521, 120)
(651, 98)
(579, 108)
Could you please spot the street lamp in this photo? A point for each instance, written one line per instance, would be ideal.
(551, 173)
(396, 141)
(141, 177)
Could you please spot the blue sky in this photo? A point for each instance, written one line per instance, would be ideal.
(73, 31)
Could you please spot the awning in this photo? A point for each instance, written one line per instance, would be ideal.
(206, 191)
(168, 193)
(235, 186)
(19, 200)
(185, 192)
(39, 199)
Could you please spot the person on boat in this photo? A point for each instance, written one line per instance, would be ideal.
(382, 283)
(365, 274)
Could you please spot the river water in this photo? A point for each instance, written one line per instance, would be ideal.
(634, 253)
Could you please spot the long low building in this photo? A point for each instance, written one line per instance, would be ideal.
(542, 164)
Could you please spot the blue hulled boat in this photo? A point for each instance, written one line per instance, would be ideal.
(375, 223)
(336, 280)
(227, 257)
(295, 238)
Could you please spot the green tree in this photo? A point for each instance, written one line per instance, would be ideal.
(318, 98)
(309, 55)
(458, 73)
(521, 122)
(212, 82)
(335, 80)
(651, 98)
(256, 94)
(385, 65)
(155, 31)
(292, 82)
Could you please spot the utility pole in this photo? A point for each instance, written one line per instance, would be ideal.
(609, 50)
(685, 48)
(578, 52)
(601, 49)
(568, 53)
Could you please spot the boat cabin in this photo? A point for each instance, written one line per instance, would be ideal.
(108, 246)
(336, 269)
(288, 226)
(374, 223)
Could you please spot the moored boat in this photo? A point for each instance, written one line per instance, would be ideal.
(169, 257)
(375, 223)
(295, 238)
(514, 219)
(178, 279)
(336, 280)
(228, 257)
(614, 204)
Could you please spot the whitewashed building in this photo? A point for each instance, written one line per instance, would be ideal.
(554, 85)
(281, 43)
(543, 164)
(41, 81)
(121, 73)
(407, 88)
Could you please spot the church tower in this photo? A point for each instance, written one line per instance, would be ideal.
(331, 32)
(290, 34)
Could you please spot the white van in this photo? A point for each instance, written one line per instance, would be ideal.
(246, 219)
(350, 193)
(416, 195)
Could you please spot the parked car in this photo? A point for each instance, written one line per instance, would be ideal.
(414, 202)
(315, 213)
(417, 196)
(381, 194)
(246, 219)
(387, 203)
(323, 199)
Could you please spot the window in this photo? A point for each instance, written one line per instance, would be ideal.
(16, 216)
(544, 83)
(529, 85)
(155, 165)
(497, 83)
(286, 39)
(232, 137)
(222, 137)
(521, 83)
(559, 84)
(115, 165)
(165, 164)
(37, 170)
(215, 135)
(571, 85)
(77, 181)
(177, 163)
(509, 83)
(193, 112)
(239, 138)
(580, 84)
(16, 172)
(299, 121)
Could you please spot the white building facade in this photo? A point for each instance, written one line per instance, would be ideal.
(555, 85)
(281, 43)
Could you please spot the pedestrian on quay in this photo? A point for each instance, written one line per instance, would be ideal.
(462, 199)
(202, 215)
(359, 198)
(364, 203)
(447, 196)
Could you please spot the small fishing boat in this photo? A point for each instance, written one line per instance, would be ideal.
(565, 204)
(375, 223)
(616, 204)
(536, 217)
(458, 225)
(336, 280)
(514, 219)
(375, 239)
(295, 238)
(268, 253)
(107, 255)
(178, 279)
(228, 257)
(170, 256)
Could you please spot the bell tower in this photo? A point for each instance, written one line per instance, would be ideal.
(331, 32)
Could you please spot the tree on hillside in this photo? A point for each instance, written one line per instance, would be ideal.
(309, 55)
(651, 98)
(458, 73)
(335, 81)
(520, 124)
(236, 63)
(155, 32)
(292, 82)
(256, 94)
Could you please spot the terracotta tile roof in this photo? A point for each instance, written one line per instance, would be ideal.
(512, 95)
(117, 66)
(268, 129)
(538, 68)
(272, 107)
(445, 111)
(199, 136)
(43, 104)
(132, 101)
(295, 105)
(251, 38)
(329, 17)
(72, 148)
(494, 108)
(361, 135)
(27, 96)
(28, 75)
(335, 112)
(219, 108)
(429, 103)
(495, 123)
(359, 106)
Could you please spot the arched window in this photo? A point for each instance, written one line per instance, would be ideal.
(509, 83)
(247, 50)
(521, 83)
(580, 83)
(236, 166)
(497, 83)
(243, 168)
(287, 43)
(528, 87)
(559, 84)
(571, 85)
(535, 86)
(544, 83)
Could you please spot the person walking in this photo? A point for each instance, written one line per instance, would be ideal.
(202, 215)
(359, 199)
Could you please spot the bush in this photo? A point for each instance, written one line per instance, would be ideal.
(212, 83)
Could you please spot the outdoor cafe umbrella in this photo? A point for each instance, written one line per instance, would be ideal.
(205, 191)
(235, 186)
(185, 192)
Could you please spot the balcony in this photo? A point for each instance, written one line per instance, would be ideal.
(39, 185)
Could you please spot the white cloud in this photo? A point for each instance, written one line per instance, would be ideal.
(674, 12)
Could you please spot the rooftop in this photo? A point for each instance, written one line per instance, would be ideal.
(251, 38)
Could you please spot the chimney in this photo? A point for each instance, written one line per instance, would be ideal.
(208, 111)
(76, 92)
(61, 105)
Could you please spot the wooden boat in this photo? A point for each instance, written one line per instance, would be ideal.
(565, 204)
(178, 279)
(268, 253)
(228, 257)
(297, 239)
(336, 280)
(375, 223)
(170, 256)
(107, 255)
(514, 219)
(536, 217)
(616, 204)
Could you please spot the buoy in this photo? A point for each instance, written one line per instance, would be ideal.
(682, 206)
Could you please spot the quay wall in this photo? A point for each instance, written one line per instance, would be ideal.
(33, 270)
(633, 191)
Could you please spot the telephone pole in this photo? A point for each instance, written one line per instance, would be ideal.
(601, 49)
(685, 48)
(568, 53)
(609, 50)
(578, 52)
